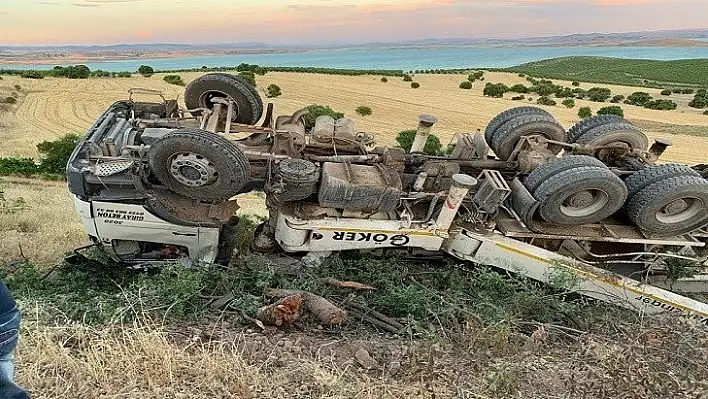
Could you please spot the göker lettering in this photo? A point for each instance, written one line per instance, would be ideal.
(398, 240)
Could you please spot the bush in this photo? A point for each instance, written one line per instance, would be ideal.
(569, 103)
(32, 75)
(676, 91)
(384, 79)
(705, 112)
(698, 102)
(13, 166)
(638, 98)
(363, 110)
(432, 145)
(545, 101)
(519, 88)
(55, 154)
(576, 83)
(407, 78)
(687, 91)
(124, 74)
(146, 71)
(475, 76)
(273, 91)
(174, 80)
(611, 110)
(584, 112)
(249, 76)
(665, 105)
(9, 100)
(517, 98)
(666, 92)
(18, 87)
(466, 85)
(314, 111)
(71, 72)
(599, 94)
(415, 85)
(565, 92)
(616, 99)
(495, 90)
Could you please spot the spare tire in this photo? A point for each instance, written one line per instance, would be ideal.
(508, 115)
(507, 136)
(653, 174)
(581, 195)
(200, 92)
(590, 123)
(557, 165)
(198, 164)
(671, 207)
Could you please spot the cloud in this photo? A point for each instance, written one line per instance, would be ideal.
(84, 5)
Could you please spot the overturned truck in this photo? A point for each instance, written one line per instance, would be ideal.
(155, 182)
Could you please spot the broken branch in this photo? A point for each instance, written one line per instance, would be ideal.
(326, 312)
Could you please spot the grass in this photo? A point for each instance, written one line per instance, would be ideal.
(628, 72)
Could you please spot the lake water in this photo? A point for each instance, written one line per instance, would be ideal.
(406, 59)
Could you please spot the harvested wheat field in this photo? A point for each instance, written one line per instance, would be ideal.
(53, 107)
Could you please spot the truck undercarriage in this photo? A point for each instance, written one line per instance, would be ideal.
(155, 183)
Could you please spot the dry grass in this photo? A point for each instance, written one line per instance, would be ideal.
(46, 229)
(54, 107)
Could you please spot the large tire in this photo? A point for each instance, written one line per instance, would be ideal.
(248, 103)
(671, 207)
(250, 87)
(558, 165)
(508, 115)
(507, 136)
(653, 174)
(581, 195)
(198, 164)
(614, 132)
(590, 123)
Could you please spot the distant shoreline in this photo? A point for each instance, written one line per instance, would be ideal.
(56, 57)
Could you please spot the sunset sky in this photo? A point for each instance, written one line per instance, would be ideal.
(42, 22)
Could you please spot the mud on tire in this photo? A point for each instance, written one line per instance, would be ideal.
(670, 207)
(200, 91)
(199, 164)
(580, 195)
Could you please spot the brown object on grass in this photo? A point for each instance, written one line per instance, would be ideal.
(326, 312)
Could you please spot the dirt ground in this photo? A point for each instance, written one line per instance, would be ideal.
(53, 107)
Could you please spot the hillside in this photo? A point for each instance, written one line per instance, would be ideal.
(621, 71)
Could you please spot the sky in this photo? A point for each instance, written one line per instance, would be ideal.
(59, 22)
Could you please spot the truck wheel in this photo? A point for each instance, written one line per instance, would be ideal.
(200, 92)
(671, 207)
(653, 174)
(612, 133)
(507, 136)
(251, 88)
(581, 195)
(199, 164)
(590, 123)
(508, 115)
(558, 165)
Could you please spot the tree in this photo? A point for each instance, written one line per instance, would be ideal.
(415, 85)
(575, 83)
(174, 80)
(599, 94)
(314, 111)
(55, 154)
(698, 102)
(584, 112)
(384, 79)
(466, 85)
(611, 110)
(32, 75)
(495, 90)
(363, 110)
(519, 88)
(146, 71)
(569, 103)
(545, 101)
(616, 99)
(407, 78)
(273, 91)
(432, 145)
(686, 91)
(666, 92)
(638, 98)
(565, 92)
(665, 105)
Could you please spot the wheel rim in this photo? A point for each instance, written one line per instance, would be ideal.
(205, 100)
(584, 203)
(680, 210)
(192, 169)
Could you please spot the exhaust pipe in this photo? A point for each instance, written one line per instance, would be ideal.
(425, 123)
